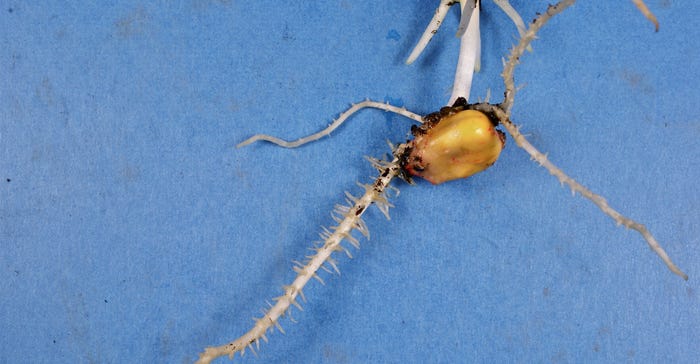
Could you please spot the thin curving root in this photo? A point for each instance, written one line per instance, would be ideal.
(334, 125)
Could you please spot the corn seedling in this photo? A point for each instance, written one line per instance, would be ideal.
(455, 142)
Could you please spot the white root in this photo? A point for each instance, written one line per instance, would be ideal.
(351, 220)
(430, 30)
(514, 17)
(563, 178)
(519, 49)
(334, 125)
(503, 114)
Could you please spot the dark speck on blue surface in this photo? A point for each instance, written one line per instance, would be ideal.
(393, 35)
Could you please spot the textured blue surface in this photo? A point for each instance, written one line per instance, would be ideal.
(132, 230)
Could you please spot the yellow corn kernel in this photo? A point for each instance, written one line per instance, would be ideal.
(458, 146)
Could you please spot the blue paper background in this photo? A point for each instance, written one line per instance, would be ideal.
(133, 231)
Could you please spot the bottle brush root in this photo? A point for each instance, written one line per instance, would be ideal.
(348, 218)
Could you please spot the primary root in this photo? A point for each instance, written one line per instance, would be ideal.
(348, 218)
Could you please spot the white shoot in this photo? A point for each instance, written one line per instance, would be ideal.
(470, 44)
(469, 52)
